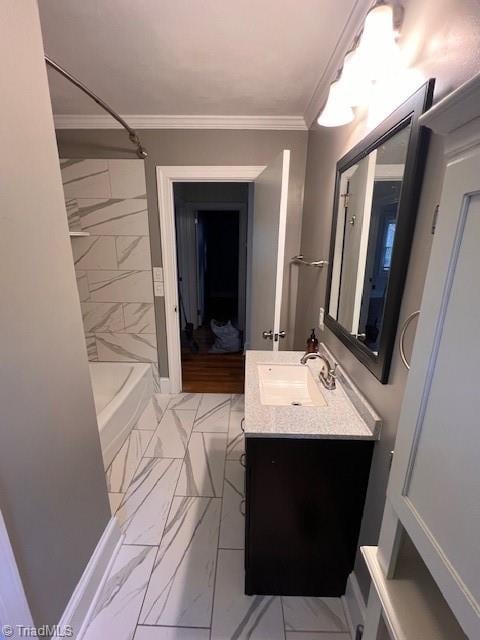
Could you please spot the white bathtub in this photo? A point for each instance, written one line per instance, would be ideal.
(121, 391)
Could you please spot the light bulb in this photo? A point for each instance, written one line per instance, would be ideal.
(356, 84)
(378, 49)
(336, 112)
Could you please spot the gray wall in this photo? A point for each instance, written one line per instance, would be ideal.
(52, 486)
(200, 147)
(441, 39)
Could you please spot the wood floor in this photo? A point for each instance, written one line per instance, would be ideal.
(213, 372)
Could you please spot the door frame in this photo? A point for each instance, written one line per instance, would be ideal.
(166, 176)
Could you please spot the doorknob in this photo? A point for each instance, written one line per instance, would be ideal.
(282, 334)
(267, 335)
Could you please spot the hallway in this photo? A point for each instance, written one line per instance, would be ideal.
(177, 486)
(213, 372)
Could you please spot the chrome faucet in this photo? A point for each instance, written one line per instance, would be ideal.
(327, 379)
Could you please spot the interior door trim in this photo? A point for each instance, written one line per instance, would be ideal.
(166, 176)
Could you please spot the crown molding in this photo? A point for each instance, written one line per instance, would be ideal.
(277, 123)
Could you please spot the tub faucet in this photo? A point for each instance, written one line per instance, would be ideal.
(327, 379)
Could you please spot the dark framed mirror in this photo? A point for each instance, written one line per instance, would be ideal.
(377, 190)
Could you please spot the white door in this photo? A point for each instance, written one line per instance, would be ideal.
(268, 254)
(435, 481)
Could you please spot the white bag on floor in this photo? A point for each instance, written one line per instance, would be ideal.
(227, 337)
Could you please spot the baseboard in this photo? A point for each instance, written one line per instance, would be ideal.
(164, 385)
(78, 608)
(354, 604)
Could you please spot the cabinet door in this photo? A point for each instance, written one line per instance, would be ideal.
(435, 481)
(304, 504)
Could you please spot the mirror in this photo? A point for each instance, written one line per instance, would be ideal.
(376, 195)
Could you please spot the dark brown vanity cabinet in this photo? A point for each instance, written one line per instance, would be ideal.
(304, 504)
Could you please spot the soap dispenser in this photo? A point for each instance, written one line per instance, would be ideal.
(312, 343)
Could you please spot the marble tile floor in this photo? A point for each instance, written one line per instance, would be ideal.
(177, 489)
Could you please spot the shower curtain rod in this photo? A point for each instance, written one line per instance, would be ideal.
(132, 134)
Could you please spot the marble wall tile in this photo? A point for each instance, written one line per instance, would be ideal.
(185, 401)
(171, 436)
(314, 614)
(180, 591)
(203, 467)
(139, 317)
(102, 316)
(121, 471)
(95, 252)
(82, 285)
(236, 615)
(114, 217)
(116, 612)
(113, 264)
(144, 511)
(91, 342)
(120, 286)
(127, 178)
(171, 633)
(236, 437)
(133, 252)
(126, 347)
(232, 525)
(85, 178)
(213, 413)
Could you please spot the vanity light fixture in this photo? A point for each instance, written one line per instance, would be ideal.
(356, 84)
(378, 49)
(336, 112)
(375, 56)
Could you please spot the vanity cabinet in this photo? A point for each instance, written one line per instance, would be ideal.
(304, 504)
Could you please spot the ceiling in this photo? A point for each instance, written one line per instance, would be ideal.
(193, 57)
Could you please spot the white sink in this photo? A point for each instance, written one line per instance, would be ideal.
(288, 384)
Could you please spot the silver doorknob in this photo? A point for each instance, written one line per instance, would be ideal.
(282, 334)
(267, 335)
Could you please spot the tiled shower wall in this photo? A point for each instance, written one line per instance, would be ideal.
(107, 199)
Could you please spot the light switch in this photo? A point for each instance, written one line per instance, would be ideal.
(157, 274)
(158, 289)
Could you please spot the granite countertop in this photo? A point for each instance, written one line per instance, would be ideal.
(347, 414)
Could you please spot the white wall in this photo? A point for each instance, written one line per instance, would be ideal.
(52, 485)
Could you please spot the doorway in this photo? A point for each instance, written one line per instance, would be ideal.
(211, 222)
(265, 269)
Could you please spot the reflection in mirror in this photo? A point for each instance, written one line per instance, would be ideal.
(369, 197)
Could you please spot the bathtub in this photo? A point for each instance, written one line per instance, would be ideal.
(121, 391)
